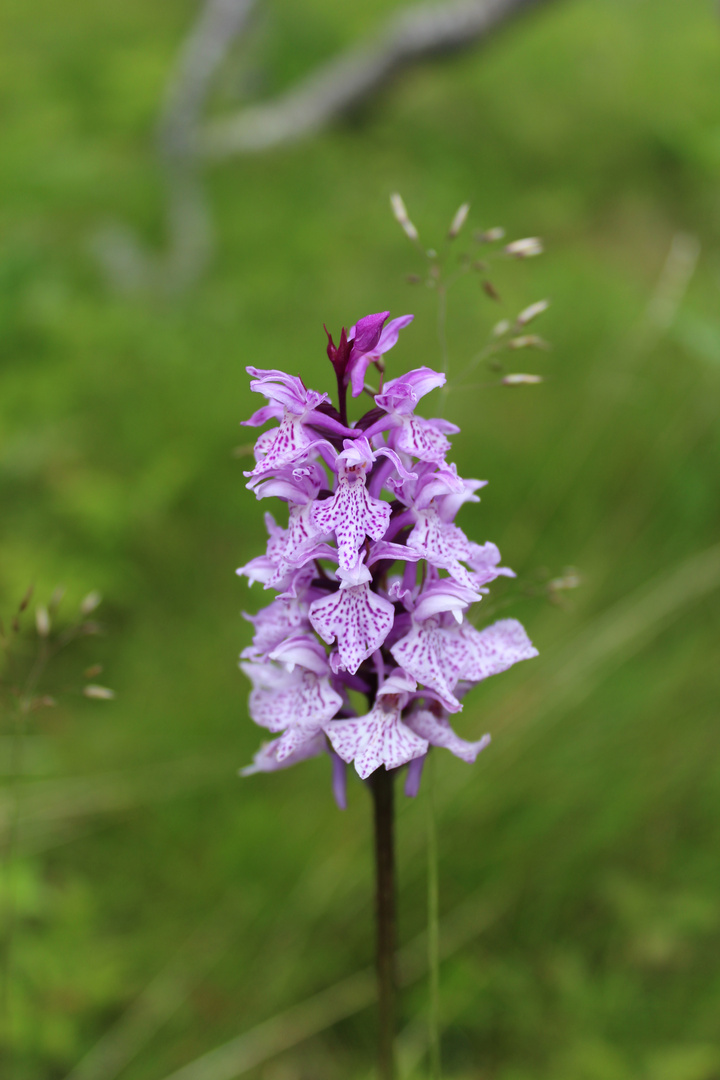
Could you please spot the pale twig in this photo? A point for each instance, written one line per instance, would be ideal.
(189, 226)
(442, 340)
(413, 35)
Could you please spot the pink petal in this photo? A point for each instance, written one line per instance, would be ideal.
(442, 544)
(282, 699)
(266, 759)
(284, 445)
(438, 732)
(419, 438)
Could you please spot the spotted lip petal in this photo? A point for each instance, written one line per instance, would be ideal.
(492, 650)
(357, 618)
(351, 514)
(378, 738)
(286, 445)
(303, 535)
(297, 409)
(421, 438)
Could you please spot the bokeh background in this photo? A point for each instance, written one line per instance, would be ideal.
(165, 907)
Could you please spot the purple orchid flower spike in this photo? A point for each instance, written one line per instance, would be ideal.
(375, 583)
(374, 578)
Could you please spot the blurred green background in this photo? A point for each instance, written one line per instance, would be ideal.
(165, 906)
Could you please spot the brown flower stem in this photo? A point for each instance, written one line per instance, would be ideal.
(382, 789)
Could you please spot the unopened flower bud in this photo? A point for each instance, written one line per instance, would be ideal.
(458, 221)
(401, 216)
(91, 601)
(42, 621)
(528, 341)
(571, 579)
(490, 236)
(102, 693)
(26, 598)
(94, 671)
(526, 248)
(501, 328)
(490, 290)
(532, 312)
(44, 702)
(520, 380)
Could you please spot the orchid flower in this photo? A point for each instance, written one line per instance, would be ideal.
(375, 580)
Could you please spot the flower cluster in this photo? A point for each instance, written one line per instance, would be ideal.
(373, 576)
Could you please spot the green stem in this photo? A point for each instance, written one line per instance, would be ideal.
(442, 339)
(433, 921)
(9, 905)
(382, 789)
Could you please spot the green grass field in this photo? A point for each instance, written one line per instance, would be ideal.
(165, 907)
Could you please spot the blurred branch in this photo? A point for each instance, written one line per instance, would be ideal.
(219, 24)
(417, 34)
(189, 226)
